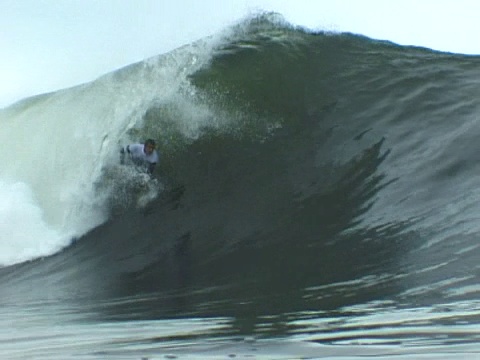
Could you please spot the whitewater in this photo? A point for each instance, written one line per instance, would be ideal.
(60, 143)
(317, 197)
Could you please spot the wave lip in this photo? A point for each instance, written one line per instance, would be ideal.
(65, 142)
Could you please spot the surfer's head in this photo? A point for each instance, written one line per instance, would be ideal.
(149, 146)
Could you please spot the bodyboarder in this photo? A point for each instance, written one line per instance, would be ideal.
(142, 155)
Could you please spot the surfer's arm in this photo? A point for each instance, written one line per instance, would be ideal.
(151, 168)
(122, 153)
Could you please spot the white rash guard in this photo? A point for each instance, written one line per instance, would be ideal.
(137, 154)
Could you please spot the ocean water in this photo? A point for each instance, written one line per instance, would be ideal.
(317, 197)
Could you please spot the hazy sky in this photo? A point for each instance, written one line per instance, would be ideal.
(52, 44)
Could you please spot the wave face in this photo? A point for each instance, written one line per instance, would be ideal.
(303, 175)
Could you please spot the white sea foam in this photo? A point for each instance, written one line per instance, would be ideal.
(24, 232)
